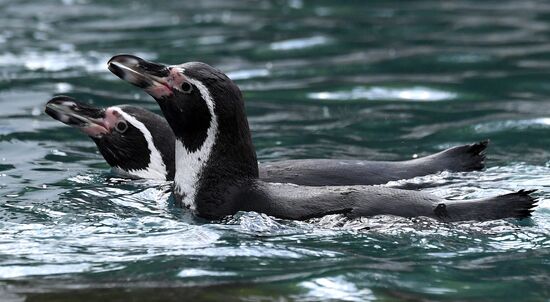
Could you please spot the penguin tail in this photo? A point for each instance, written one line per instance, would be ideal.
(517, 205)
(464, 158)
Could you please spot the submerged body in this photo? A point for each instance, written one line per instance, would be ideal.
(299, 202)
(333, 172)
(146, 150)
(217, 172)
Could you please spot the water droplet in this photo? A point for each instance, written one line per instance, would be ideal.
(296, 4)
(326, 112)
(36, 111)
(63, 87)
(58, 153)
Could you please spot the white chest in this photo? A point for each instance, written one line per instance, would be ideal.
(190, 165)
(186, 179)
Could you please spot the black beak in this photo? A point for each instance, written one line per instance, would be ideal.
(139, 72)
(88, 118)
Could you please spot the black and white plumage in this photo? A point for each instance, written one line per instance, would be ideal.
(133, 140)
(216, 170)
(131, 152)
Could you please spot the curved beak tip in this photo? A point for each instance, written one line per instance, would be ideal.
(125, 59)
(73, 113)
(116, 69)
(137, 71)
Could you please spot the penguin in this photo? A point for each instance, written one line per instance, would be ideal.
(127, 148)
(134, 141)
(217, 173)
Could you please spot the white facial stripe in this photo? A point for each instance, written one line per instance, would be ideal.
(189, 165)
(156, 168)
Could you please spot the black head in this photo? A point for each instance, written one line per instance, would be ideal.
(204, 108)
(130, 138)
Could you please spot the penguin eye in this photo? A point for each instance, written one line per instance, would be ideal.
(186, 87)
(121, 126)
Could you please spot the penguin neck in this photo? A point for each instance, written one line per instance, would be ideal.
(160, 139)
(225, 155)
(133, 155)
(156, 168)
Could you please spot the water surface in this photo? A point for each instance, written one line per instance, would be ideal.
(383, 80)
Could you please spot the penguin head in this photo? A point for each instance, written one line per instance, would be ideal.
(192, 96)
(205, 110)
(123, 134)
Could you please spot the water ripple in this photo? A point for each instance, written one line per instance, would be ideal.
(379, 80)
(423, 94)
(299, 43)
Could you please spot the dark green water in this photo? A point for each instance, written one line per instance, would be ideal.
(330, 79)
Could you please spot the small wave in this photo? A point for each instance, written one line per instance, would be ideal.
(89, 61)
(17, 271)
(498, 126)
(420, 94)
(334, 288)
(299, 43)
(248, 74)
